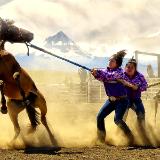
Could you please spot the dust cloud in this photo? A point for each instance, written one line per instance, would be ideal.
(73, 122)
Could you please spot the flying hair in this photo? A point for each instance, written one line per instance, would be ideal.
(119, 57)
(121, 54)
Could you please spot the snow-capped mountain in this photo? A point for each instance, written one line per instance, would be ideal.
(65, 45)
(43, 62)
(61, 45)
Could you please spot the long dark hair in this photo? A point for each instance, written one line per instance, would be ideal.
(119, 57)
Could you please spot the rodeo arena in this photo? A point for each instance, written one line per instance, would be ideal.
(51, 115)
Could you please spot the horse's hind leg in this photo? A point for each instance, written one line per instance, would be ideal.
(41, 103)
(13, 111)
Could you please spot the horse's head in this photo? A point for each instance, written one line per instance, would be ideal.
(9, 32)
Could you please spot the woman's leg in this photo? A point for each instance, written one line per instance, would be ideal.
(120, 108)
(106, 109)
(130, 104)
(140, 111)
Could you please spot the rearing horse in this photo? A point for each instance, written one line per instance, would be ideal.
(16, 84)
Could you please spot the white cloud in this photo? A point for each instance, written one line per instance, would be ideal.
(3, 2)
(107, 23)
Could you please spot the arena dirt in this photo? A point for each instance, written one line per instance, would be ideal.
(74, 126)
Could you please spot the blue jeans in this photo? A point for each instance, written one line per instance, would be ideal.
(120, 107)
(137, 106)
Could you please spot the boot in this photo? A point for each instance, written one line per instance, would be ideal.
(101, 136)
(143, 134)
(131, 141)
(127, 132)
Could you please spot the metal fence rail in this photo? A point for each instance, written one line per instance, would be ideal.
(90, 92)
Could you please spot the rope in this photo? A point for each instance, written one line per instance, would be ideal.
(59, 57)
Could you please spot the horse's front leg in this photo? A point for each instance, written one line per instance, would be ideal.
(3, 100)
(31, 111)
(13, 110)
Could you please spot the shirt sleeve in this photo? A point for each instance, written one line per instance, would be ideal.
(105, 75)
(101, 75)
(143, 86)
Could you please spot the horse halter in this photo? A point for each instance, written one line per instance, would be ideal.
(27, 45)
(13, 34)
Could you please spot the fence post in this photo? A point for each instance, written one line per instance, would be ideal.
(88, 91)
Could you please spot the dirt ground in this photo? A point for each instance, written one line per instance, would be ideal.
(103, 152)
(76, 135)
(74, 127)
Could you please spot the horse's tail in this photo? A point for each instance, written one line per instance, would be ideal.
(33, 115)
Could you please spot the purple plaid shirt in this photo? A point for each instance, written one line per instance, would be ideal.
(138, 80)
(108, 77)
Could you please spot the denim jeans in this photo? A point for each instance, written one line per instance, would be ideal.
(120, 107)
(137, 106)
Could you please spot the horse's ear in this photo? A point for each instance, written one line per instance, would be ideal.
(1, 22)
(9, 21)
(1, 28)
(4, 24)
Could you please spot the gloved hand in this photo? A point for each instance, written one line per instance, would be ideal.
(94, 72)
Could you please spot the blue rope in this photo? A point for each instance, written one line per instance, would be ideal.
(52, 54)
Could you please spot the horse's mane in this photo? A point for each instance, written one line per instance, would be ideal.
(11, 33)
(4, 24)
(9, 22)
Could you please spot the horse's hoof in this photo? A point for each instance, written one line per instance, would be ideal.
(4, 110)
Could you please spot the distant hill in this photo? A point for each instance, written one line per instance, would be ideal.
(43, 62)
(64, 46)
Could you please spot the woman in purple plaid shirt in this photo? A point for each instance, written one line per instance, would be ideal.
(136, 83)
(139, 84)
(116, 91)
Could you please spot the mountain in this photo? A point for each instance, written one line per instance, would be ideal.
(64, 44)
(43, 62)
(61, 45)
(40, 61)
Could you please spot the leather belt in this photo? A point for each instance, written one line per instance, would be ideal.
(113, 98)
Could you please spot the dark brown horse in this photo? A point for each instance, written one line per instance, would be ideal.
(16, 84)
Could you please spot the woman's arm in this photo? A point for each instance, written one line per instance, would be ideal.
(143, 85)
(98, 74)
(107, 75)
(128, 84)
